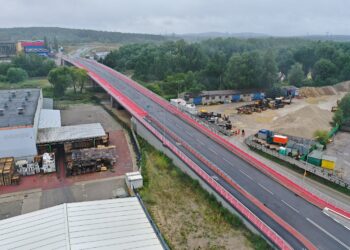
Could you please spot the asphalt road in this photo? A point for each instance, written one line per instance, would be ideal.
(321, 230)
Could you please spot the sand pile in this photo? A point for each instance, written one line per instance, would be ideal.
(326, 90)
(304, 122)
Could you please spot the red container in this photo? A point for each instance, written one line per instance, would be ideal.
(280, 139)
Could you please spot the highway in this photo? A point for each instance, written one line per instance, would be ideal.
(307, 219)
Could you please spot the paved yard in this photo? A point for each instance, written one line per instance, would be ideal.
(88, 113)
(340, 149)
(27, 201)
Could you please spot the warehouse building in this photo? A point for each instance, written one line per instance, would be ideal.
(21, 117)
(33, 47)
(19, 121)
(105, 224)
(222, 96)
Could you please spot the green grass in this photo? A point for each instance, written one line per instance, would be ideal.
(301, 171)
(34, 82)
(182, 209)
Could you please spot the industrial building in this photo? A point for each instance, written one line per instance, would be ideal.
(7, 50)
(19, 120)
(37, 47)
(222, 96)
(106, 224)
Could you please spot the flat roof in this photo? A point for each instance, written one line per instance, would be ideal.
(10, 117)
(49, 118)
(70, 133)
(105, 224)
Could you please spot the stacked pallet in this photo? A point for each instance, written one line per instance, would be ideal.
(88, 160)
(7, 169)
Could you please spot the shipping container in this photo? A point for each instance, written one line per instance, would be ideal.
(315, 158)
(197, 100)
(236, 98)
(328, 162)
(280, 139)
(282, 151)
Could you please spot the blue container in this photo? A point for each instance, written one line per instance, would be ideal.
(257, 96)
(236, 98)
(197, 100)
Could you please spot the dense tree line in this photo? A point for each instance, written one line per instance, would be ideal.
(177, 66)
(23, 66)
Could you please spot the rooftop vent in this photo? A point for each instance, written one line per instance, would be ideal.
(10, 99)
(13, 93)
(23, 104)
(1, 112)
(6, 105)
(26, 98)
(20, 110)
(28, 93)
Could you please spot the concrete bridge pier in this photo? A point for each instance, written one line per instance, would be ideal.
(115, 104)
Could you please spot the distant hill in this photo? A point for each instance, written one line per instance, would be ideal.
(208, 35)
(336, 38)
(65, 35)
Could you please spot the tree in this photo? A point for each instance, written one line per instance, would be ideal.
(324, 72)
(344, 105)
(269, 69)
(296, 75)
(338, 117)
(79, 77)
(345, 73)
(321, 136)
(46, 43)
(15, 75)
(285, 60)
(244, 71)
(55, 44)
(61, 79)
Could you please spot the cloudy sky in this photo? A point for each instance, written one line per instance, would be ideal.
(274, 17)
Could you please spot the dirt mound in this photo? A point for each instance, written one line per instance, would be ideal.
(326, 90)
(304, 121)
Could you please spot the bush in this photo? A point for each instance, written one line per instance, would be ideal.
(3, 78)
(322, 136)
(15, 75)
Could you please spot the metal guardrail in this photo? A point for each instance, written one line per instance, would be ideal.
(321, 172)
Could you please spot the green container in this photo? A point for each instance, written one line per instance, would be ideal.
(269, 140)
(315, 158)
(282, 151)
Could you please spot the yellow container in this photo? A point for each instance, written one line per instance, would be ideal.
(328, 162)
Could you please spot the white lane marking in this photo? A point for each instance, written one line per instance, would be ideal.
(265, 188)
(212, 150)
(290, 206)
(246, 174)
(200, 142)
(227, 161)
(329, 234)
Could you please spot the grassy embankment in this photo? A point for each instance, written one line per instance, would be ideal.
(187, 215)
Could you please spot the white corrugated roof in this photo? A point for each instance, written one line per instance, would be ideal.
(106, 224)
(50, 118)
(67, 133)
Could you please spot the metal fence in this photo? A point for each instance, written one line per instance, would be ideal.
(321, 172)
